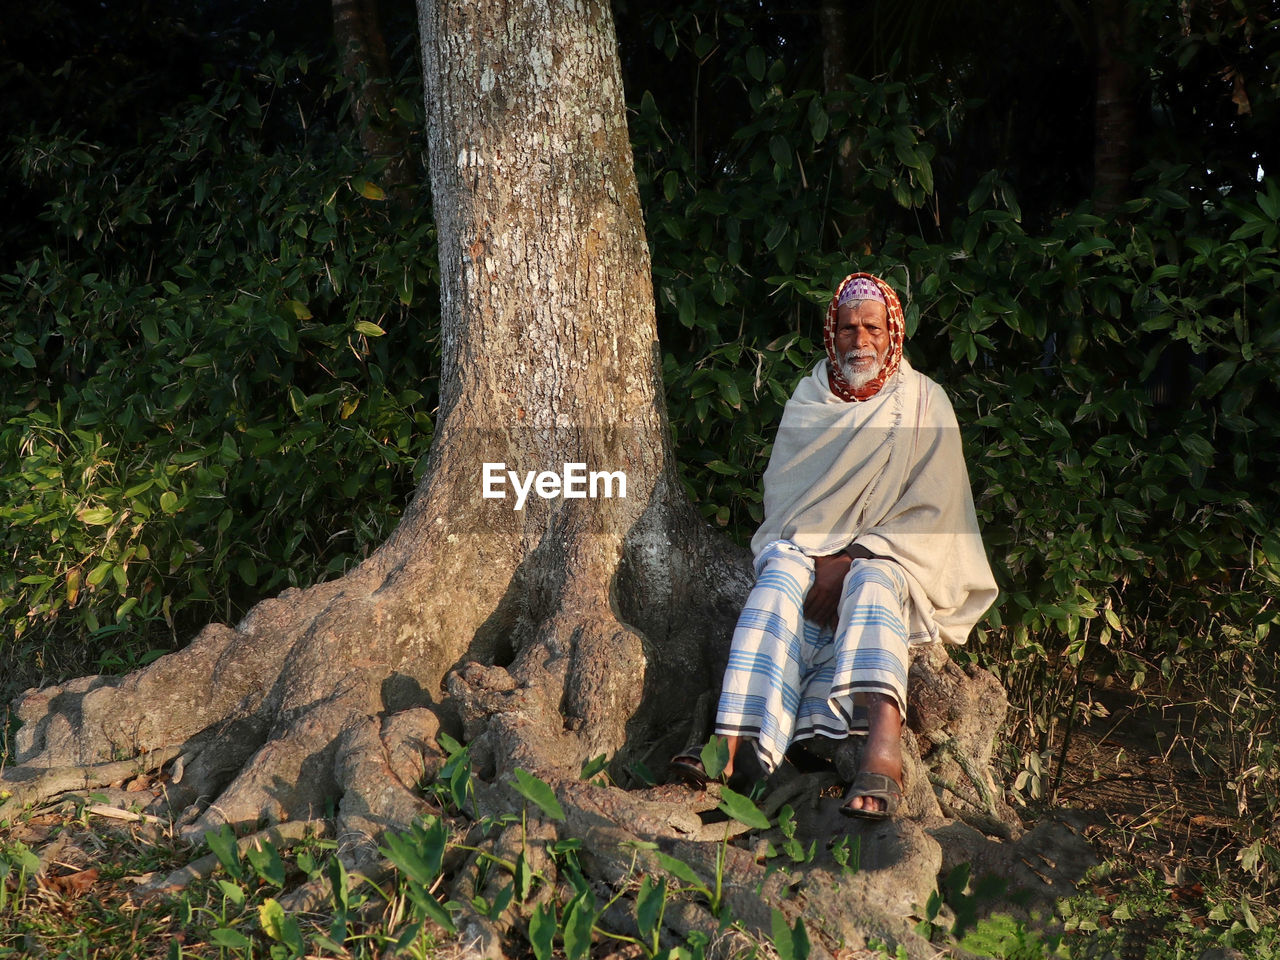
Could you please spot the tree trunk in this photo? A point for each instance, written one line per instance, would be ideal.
(837, 62)
(362, 52)
(1115, 115)
(543, 633)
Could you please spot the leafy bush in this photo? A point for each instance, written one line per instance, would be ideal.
(1116, 379)
(218, 369)
(748, 246)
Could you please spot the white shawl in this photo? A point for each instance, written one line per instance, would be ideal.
(886, 473)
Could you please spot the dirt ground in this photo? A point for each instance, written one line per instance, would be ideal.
(1153, 810)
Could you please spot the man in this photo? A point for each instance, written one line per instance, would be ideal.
(869, 544)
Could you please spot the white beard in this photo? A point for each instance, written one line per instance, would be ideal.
(859, 377)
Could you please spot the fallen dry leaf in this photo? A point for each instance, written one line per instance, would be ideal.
(138, 784)
(1239, 97)
(71, 885)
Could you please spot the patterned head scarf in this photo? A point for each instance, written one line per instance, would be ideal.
(863, 286)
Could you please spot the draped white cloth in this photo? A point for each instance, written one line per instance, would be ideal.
(889, 474)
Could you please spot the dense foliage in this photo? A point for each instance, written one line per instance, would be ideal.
(1117, 376)
(217, 366)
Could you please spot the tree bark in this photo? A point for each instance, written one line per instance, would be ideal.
(837, 62)
(362, 52)
(585, 618)
(1115, 114)
(543, 635)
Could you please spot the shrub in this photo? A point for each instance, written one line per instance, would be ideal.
(218, 373)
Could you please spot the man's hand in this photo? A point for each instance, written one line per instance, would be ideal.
(822, 604)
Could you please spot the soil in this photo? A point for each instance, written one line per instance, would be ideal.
(1135, 772)
(1153, 806)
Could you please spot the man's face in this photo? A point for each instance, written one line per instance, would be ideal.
(862, 341)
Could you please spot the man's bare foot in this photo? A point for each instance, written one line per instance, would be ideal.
(882, 753)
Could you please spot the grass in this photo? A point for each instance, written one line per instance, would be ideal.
(1120, 909)
(100, 917)
(1168, 887)
(1125, 910)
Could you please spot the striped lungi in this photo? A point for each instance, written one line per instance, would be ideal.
(789, 679)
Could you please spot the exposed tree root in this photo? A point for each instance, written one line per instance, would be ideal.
(335, 699)
(45, 784)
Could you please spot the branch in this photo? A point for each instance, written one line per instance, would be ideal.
(57, 780)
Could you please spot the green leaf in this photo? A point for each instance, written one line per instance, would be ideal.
(819, 122)
(501, 901)
(168, 501)
(97, 516)
(742, 809)
(681, 871)
(419, 851)
(266, 863)
(222, 844)
(280, 926)
(776, 234)
(1217, 378)
(729, 391)
(1091, 245)
(790, 944)
(650, 902)
(23, 356)
(593, 766)
(99, 574)
(1249, 920)
(538, 792)
(523, 877)
(369, 329)
(338, 884)
(139, 488)
(715, 755)
(756, 63)
(542, 929)
(780, 150)
(271, 918)
(579, 918)
(432, 907)
(231, 939)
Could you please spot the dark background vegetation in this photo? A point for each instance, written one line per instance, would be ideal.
(218, 312)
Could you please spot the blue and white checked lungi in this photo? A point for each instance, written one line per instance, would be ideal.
(789, 679)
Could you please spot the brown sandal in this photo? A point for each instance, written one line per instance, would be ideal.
(877, 786)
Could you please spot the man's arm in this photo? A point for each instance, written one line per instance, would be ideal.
(822, 603)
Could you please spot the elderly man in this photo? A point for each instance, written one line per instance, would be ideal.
(869, 544)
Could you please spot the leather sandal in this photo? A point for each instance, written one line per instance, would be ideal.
(687, 765)
(749, 772)
(877, 786)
